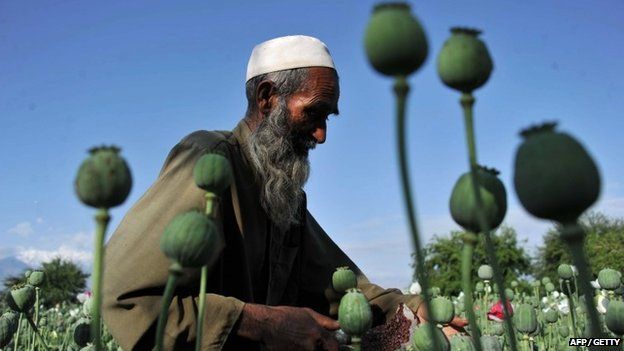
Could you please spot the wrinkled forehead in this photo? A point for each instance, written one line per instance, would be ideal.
(322, 82)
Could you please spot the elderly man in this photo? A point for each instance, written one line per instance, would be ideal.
(271, 287)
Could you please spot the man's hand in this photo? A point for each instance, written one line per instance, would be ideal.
(288, 328)
(455, 326)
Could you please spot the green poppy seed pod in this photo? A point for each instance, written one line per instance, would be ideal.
(442, 310)
(8, 326)
(464, 63)
(354, 314)
(21, 298)
(545, 281)
(104, 179)
(459, 342)
(463, 205)
(536, 284)
(555, 178)
(549, 287)
(525, 319)
(509, 294)
(514, 283)
(497, 329)
(192, 239)
(551, 316)
(12, 318)
(395, 42)
(344, 279)
(609, 279)
(36, 278)
(565, 271)
(82, 332)
(421, 341)
(479, 287)
(564, 331)
(485, 272)
(491, 343)
(213, 173)
(614, 319)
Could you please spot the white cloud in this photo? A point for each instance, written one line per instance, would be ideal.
(35, 257)
(82, 240)
(39, 220)
(22, 229)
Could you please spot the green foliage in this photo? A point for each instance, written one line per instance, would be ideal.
(443, 259)
(604, 245)
(63, 281)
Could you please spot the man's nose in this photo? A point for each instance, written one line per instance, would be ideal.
(320, 133)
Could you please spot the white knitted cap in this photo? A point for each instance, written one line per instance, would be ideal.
(294, 51)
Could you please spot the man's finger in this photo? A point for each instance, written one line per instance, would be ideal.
(323, 321)
(459, 322)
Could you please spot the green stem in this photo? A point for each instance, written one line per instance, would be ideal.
(17, 333)
(212, 208)
(470, 239)
(356, 343)
(202, 308)
(576, 290)
(32, 341)
(101, 218)
(36, 330)
(525, 343)
(486, 305)
(467, 102)
(572, 310)
(401, 89)
(175, 271)
(212, 204)
(573, 235)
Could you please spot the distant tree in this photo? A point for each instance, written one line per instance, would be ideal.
(11, 280)
(63, 281)
(443, 259)
(604, 245)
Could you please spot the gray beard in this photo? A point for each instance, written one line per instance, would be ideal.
(280, 160)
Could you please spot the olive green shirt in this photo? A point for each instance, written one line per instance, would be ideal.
(259, 264)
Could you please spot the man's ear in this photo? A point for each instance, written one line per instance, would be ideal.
(266, 95)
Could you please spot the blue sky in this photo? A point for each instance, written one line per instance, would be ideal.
(143, 74)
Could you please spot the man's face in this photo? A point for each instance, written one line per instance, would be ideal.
(310, 108)
(279, 145)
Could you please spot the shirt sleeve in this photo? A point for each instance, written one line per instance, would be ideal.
(136, 270)
(320, 259)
